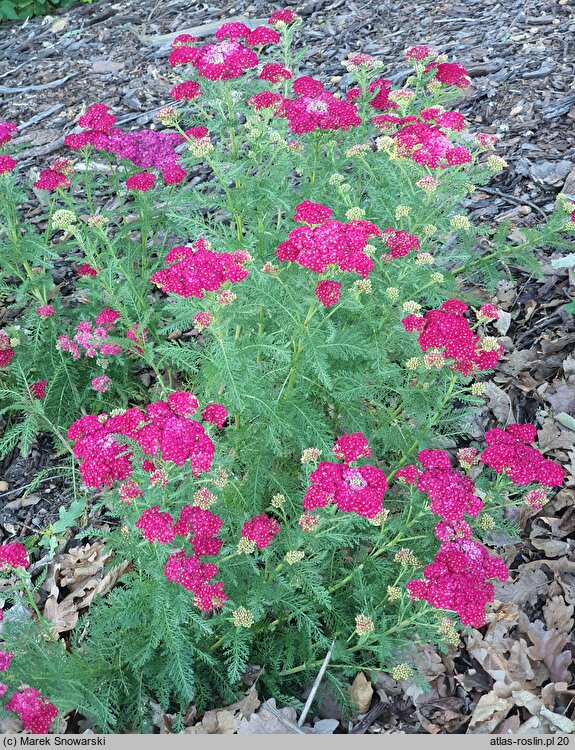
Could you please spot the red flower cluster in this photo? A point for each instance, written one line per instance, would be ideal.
(163, 430)
(354, 490)
(275, 72)
(195, 576)
(509, 451)
(13, 555)
(314, 108)
(450, 74)
(399, 242)
(452, 493)
(99, 124)
(457, 580)
(86, 270)
(328, 242)
(217, 62)
(328, 292)
(215, 413)
(261, 530)
(93, 339)
(38, 389)
(198, 269)
(51, 179)
(381, 88)
(285, 16)
(156, 526)
(187, 90)
(7, 164)
(6, 131)
(203, 525)
(141, 182)
(45, 311)
(36, 712)
(420, 52)
(447, 330)
(6, 351)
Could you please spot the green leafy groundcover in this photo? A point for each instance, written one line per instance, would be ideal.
(12, 10)
(264, 379)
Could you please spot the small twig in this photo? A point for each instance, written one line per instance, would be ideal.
(286, 722)
(19, 489)
(40, 87)
(513, 199)
(315, 685)
(41, 116)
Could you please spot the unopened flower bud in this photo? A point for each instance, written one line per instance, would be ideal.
(477, 389)
(424, 259)
(402, 211)
(242, 617)
(246, 546)
(355, 213)
(460, 222)
(63, 219)
(278, 500)
(363, 625)
(294, 556)
(401, 672)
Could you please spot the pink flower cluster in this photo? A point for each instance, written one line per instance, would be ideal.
(457, 580)
(314, 108)
(194, 575)
(328, 292)
(399, 242)
(423, 139)
(224, 61)
(93, 338)
(509, 451)
(148, 149)
(261, 530)
(45, 311)
(13, 555)
(36, 712)
(447, 330)
(381, 88)
(7, 164)
(163, 430)
(452, 493)
(6, 131)
(38, 389)
(353, 489)
(449, 74)
(6, 351)
(325, 242)
(198, 269)
(215, 413)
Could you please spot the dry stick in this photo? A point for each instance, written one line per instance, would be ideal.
(286, 722)
(513, 199)
(315, 685)
(41, 87)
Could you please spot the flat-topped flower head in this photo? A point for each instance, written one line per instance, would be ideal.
(156, 525)
(36, 712)
(7, 130)
(508, 451)
(351, 447)
(284, 16)
(328, 292)
(13, 555)
(458, 580)
(312, 213)
(261, 530)
(7, 164)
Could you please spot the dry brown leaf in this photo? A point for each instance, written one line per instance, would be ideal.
(361, 693)
(547, 647)
(527, 586)
(498, 401)
(247, 705)
(214, 722)
(559, 615)
(519, 666)
(266, 722)
(489, 713)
